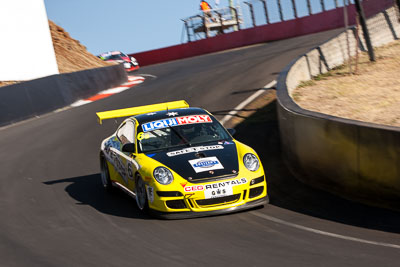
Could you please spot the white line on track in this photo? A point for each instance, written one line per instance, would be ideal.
(148, 75)
(304, 228)
(80, 103)
(276, 220)
(246, 102)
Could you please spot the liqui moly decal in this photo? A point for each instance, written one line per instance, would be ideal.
(160, 124)
(154, 125)
(206, 164)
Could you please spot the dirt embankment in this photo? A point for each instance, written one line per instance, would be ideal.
(371, 95)
(71, 55)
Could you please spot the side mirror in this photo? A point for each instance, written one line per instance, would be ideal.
(232, 131)
(129, 147)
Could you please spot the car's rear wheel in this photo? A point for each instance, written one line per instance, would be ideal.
(141, 194)
(105, 174)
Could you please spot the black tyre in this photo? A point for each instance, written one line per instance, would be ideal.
(105, 174)
(141, 195)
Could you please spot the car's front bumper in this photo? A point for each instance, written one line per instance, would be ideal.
(191, 214)
(132, 68)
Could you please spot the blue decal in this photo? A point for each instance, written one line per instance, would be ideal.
(154, 125)
(205, 163)
(150, 155)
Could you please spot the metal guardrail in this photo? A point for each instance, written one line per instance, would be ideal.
(260, 12)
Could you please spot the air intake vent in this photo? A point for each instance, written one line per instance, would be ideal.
(255, 192)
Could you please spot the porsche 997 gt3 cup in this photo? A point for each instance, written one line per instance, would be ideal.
(178, 161)
(129, 63)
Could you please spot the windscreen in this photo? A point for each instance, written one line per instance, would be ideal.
(113, 57)
(180, 131)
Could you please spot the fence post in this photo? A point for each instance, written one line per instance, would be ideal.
(237, 28)
(266, 10)
(357, 41)
(336, 4)
(309, 7)
(205, 26)
(294, 8)
(234, 12)
(280, 10)
(251, 13)
(346, 25)
(187, 31)
(221, 22)
(363, 23)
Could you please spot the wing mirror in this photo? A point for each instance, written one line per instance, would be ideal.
(231, 131)
(129, 147)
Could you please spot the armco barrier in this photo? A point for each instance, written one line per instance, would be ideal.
(324, 21)
(354, 159)
(33, 98)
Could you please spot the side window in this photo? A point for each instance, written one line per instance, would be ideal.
(126, 133)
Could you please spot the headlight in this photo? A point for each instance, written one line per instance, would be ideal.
(251, 162)
(163, 175)
(127, 65)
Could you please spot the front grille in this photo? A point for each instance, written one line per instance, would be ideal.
(176, 204)
(254, 192)
(257, 180)
(190, 203)
(218, 200)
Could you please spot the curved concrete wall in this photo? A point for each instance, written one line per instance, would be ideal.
(36, 97)
(354, 159)
(327, 20)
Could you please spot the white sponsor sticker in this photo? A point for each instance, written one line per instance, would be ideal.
(222, 189)
(193, 149)
(219, 192)
(206, 164)
(150, 193)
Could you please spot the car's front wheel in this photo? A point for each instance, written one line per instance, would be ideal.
(141, 194)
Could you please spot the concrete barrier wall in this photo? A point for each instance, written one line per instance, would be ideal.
(354, 159)
(36, 97)
(327, 20)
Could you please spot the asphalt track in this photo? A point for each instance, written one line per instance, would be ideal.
(54, 211)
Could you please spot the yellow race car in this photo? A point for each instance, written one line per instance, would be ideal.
(179, 162)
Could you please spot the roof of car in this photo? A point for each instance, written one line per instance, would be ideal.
(165, 114)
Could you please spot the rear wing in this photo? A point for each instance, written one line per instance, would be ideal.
(127, 112)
